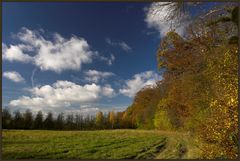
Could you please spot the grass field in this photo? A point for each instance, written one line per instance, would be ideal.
(103, 144)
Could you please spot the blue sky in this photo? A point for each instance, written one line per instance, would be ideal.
(80, 56)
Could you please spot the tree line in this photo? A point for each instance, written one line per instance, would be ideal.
(199, 89)
(26, 120)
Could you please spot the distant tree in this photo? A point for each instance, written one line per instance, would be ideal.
(6, 119)
(106, 124)
(86, 122)
(28, 119)
(69, 124)
(99, 120)
(38, 122)
(59, 123)
(92, 122)
(79, 121)
(48, 123)
(18, 120)
(118, 119)
(111, 117)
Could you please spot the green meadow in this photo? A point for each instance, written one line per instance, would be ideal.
(101, 144)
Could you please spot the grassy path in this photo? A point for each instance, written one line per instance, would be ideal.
(103, 144)
(179, 146)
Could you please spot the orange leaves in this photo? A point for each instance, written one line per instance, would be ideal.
(201, 77)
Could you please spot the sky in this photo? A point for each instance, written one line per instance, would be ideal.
(81, 57)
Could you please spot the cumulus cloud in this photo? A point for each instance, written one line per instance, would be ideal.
(15, 53)
(132, 86)
(160, 15)
(13, 76)
(108, 91)
(123, 45)
(62, 94)
(57, 55)
(95, 76)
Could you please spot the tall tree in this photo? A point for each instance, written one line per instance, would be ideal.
(28, 119)
(18, 120)
(48, 123)
(99, 120)
(6, 119)
(201, 85)
(79, 121)
(144, 106)
(59, 123)
(111, 117)
(38, 122)
(69, 125)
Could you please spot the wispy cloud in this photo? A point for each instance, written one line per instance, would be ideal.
(123, 45)
(32, 76)
(109, 60)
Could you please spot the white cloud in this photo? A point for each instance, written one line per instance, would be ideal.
(158, 16)
(108, 91)
(132, 86)
(57, 55)
(95, 76)
(15, 53)
(83, 111)
(92, 109)
(61, 94)
(13, 76)
(123, 45)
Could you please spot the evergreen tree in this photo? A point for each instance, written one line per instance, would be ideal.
(48, 123)
(6, 119)
(18, 121)
(28, 119)
(38, 122)
(59, 123)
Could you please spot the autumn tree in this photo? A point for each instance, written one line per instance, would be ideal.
(126, 121)
(201, 84)
(99, 120)
(144, 106)
(111, 118)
